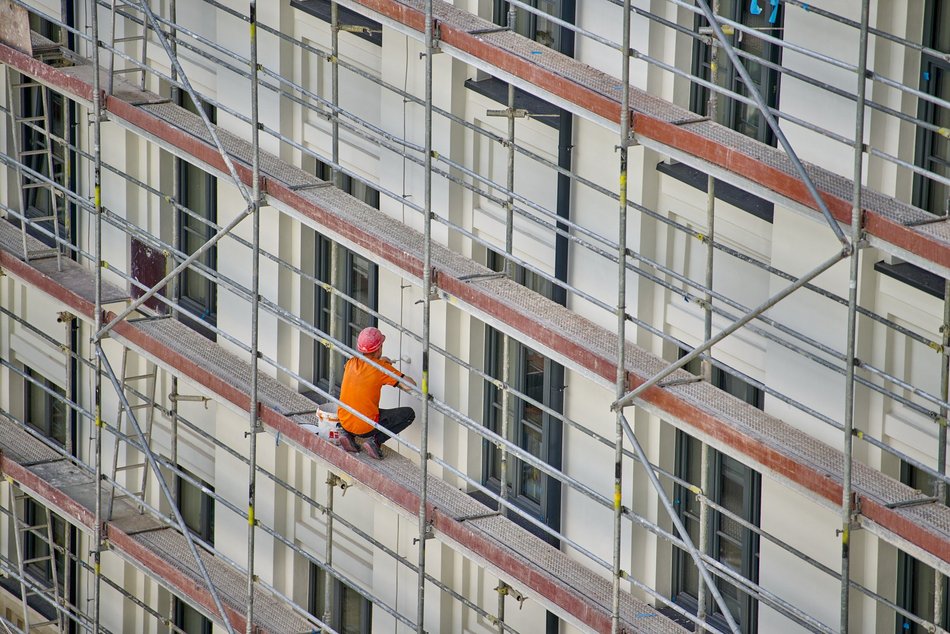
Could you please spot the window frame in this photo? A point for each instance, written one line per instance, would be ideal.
(203, 525)
(50, 403)
(316, 592)
(206, 216)
(910, 571)
(935, 78)
(547, 508)
(688, 454)
(728, 108)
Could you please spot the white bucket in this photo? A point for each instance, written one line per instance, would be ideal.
(326, 429)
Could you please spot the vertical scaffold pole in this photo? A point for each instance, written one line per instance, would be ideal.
(940, 490)
(506, 405)
(255, 313)
(621, 319)
(702, 599)
(426, 309)
(856, 217)
(333, 360)
(332, 481)
(97, 318)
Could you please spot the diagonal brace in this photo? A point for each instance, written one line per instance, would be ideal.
(178, 269)
(678, 523)
(770, 119)
(736, 325)
(153, 464)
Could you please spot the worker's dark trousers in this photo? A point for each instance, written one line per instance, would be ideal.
(395, 420)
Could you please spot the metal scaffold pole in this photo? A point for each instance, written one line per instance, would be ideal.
(333, 359)
(621, 320)
(509, 267)
(424, 530)
(847, 507)
(702, 598)
(254, 424)
(940, 486)
(97, 318)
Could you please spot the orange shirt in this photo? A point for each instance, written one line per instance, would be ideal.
(362, 384)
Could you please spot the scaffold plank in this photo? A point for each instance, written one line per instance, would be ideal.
(139, 538)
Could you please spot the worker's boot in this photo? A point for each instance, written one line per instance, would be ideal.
(371, 446)
(347, 442)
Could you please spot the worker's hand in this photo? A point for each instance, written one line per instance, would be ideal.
(387, 360)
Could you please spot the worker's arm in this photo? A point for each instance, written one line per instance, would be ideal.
(405, 382)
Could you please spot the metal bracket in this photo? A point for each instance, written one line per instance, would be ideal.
(65, 317)
(683, 381)
(477, 516)
(175, 398)
(479, 277)
(436, 38)
(515, 113)
(903, 504)
(357, 28)
(428, 534)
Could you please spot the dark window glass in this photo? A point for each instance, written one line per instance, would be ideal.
(196, 507)
(933, 149)
(190, 620)
(44, 411)
(531, 25)
(36, 545)
(736, 488)
(197, 192)
(532, 428)
(915, 580)
(741, 117)
(351, 612)
(356, 277)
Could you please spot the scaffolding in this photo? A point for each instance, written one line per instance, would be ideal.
(866, 498)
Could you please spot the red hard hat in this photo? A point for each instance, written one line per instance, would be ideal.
(370, 340)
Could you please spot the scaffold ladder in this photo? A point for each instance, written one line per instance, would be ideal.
(141, 38)
(38, 532)
(41, 156)
(139, 390)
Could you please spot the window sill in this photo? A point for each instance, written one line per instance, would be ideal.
(913, 276)
(758, 207)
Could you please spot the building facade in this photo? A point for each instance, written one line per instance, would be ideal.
(457, 187)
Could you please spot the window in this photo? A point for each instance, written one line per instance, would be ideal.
(351, 612)
(42, 569)
(741, 117)
(734, 486)
(531, 25)
(933, 150)
(915, 580)
(36, 547)
(197, 509)
(531, 428)
(46, 412)
(356, 277)
(190, 620)
(197, 191)
(42, 145)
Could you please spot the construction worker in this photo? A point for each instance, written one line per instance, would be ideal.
(362, 383)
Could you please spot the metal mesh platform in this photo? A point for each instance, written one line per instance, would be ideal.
(62, 482)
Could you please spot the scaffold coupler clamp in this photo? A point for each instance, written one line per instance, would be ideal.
(429, 532)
